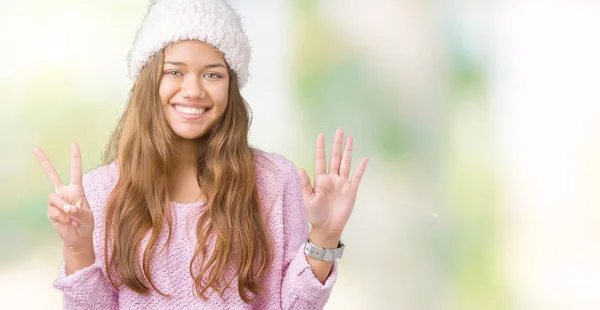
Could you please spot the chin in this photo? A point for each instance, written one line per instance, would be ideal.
(190, 135)
(192, 131)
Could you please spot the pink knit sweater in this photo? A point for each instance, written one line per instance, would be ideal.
(291, 283)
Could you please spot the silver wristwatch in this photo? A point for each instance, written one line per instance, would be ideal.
(322, 253)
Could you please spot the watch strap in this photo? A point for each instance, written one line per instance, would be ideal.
(324, 254)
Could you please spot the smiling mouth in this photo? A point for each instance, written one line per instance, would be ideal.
(189, 110)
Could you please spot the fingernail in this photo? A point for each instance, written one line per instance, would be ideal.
(67, 208)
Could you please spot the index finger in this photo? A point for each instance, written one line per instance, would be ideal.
(320, 155)
(75, 164)
(48, 168)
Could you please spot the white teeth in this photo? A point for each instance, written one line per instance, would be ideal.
(188, 110)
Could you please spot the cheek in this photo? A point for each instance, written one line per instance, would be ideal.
(221, 96)
(166, 90)
(222, 101)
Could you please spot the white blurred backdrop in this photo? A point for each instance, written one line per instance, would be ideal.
(481, 120)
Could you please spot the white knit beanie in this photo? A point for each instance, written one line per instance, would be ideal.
(211, 21)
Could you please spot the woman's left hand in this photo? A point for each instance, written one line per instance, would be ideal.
(329, 203)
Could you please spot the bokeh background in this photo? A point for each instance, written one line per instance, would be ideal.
(481, 120)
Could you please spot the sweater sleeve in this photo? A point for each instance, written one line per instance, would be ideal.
(89, 288)
(86, 288)
(300, 288)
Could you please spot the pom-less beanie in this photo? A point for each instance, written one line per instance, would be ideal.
(211, 21)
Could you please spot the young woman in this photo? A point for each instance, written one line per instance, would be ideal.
(185, 214)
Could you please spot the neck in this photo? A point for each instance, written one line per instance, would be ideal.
(187, 155)
(184, 185)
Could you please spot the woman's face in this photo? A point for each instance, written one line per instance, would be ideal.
(194, 88)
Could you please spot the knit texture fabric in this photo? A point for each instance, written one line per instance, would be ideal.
(290, 284)
(211, 21)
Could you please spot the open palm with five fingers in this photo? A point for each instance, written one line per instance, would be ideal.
(68, 208)
(330, 201)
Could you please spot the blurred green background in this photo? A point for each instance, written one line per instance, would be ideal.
(481, 120)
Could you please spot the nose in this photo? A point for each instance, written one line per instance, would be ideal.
(192, 88)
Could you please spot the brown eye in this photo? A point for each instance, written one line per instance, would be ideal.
(212, 76)
(173, 73)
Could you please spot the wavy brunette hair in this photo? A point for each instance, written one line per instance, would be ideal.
(144, 146)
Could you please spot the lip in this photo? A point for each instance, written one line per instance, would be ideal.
(190, 105)
(189, 116)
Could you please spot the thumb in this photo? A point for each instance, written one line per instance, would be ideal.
(305, 185)
(80, 214)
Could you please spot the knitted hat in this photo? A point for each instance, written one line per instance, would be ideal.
(211, 21)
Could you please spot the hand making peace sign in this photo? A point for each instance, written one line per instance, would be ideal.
(329, 203)
(68, 209)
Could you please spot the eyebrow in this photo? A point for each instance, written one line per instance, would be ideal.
(179, 63)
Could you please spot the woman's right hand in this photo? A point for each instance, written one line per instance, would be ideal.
(68, 209)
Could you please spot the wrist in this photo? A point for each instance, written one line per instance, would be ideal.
(320, 238)
(78, 249)
(78, 254)
(77, 258)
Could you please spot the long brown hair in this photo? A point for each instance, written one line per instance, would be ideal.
(144, 146)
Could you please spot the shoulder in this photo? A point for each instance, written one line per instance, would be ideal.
(100, 177)
(276, 177)
(99, 183)
(282, 197)
(272, 163)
